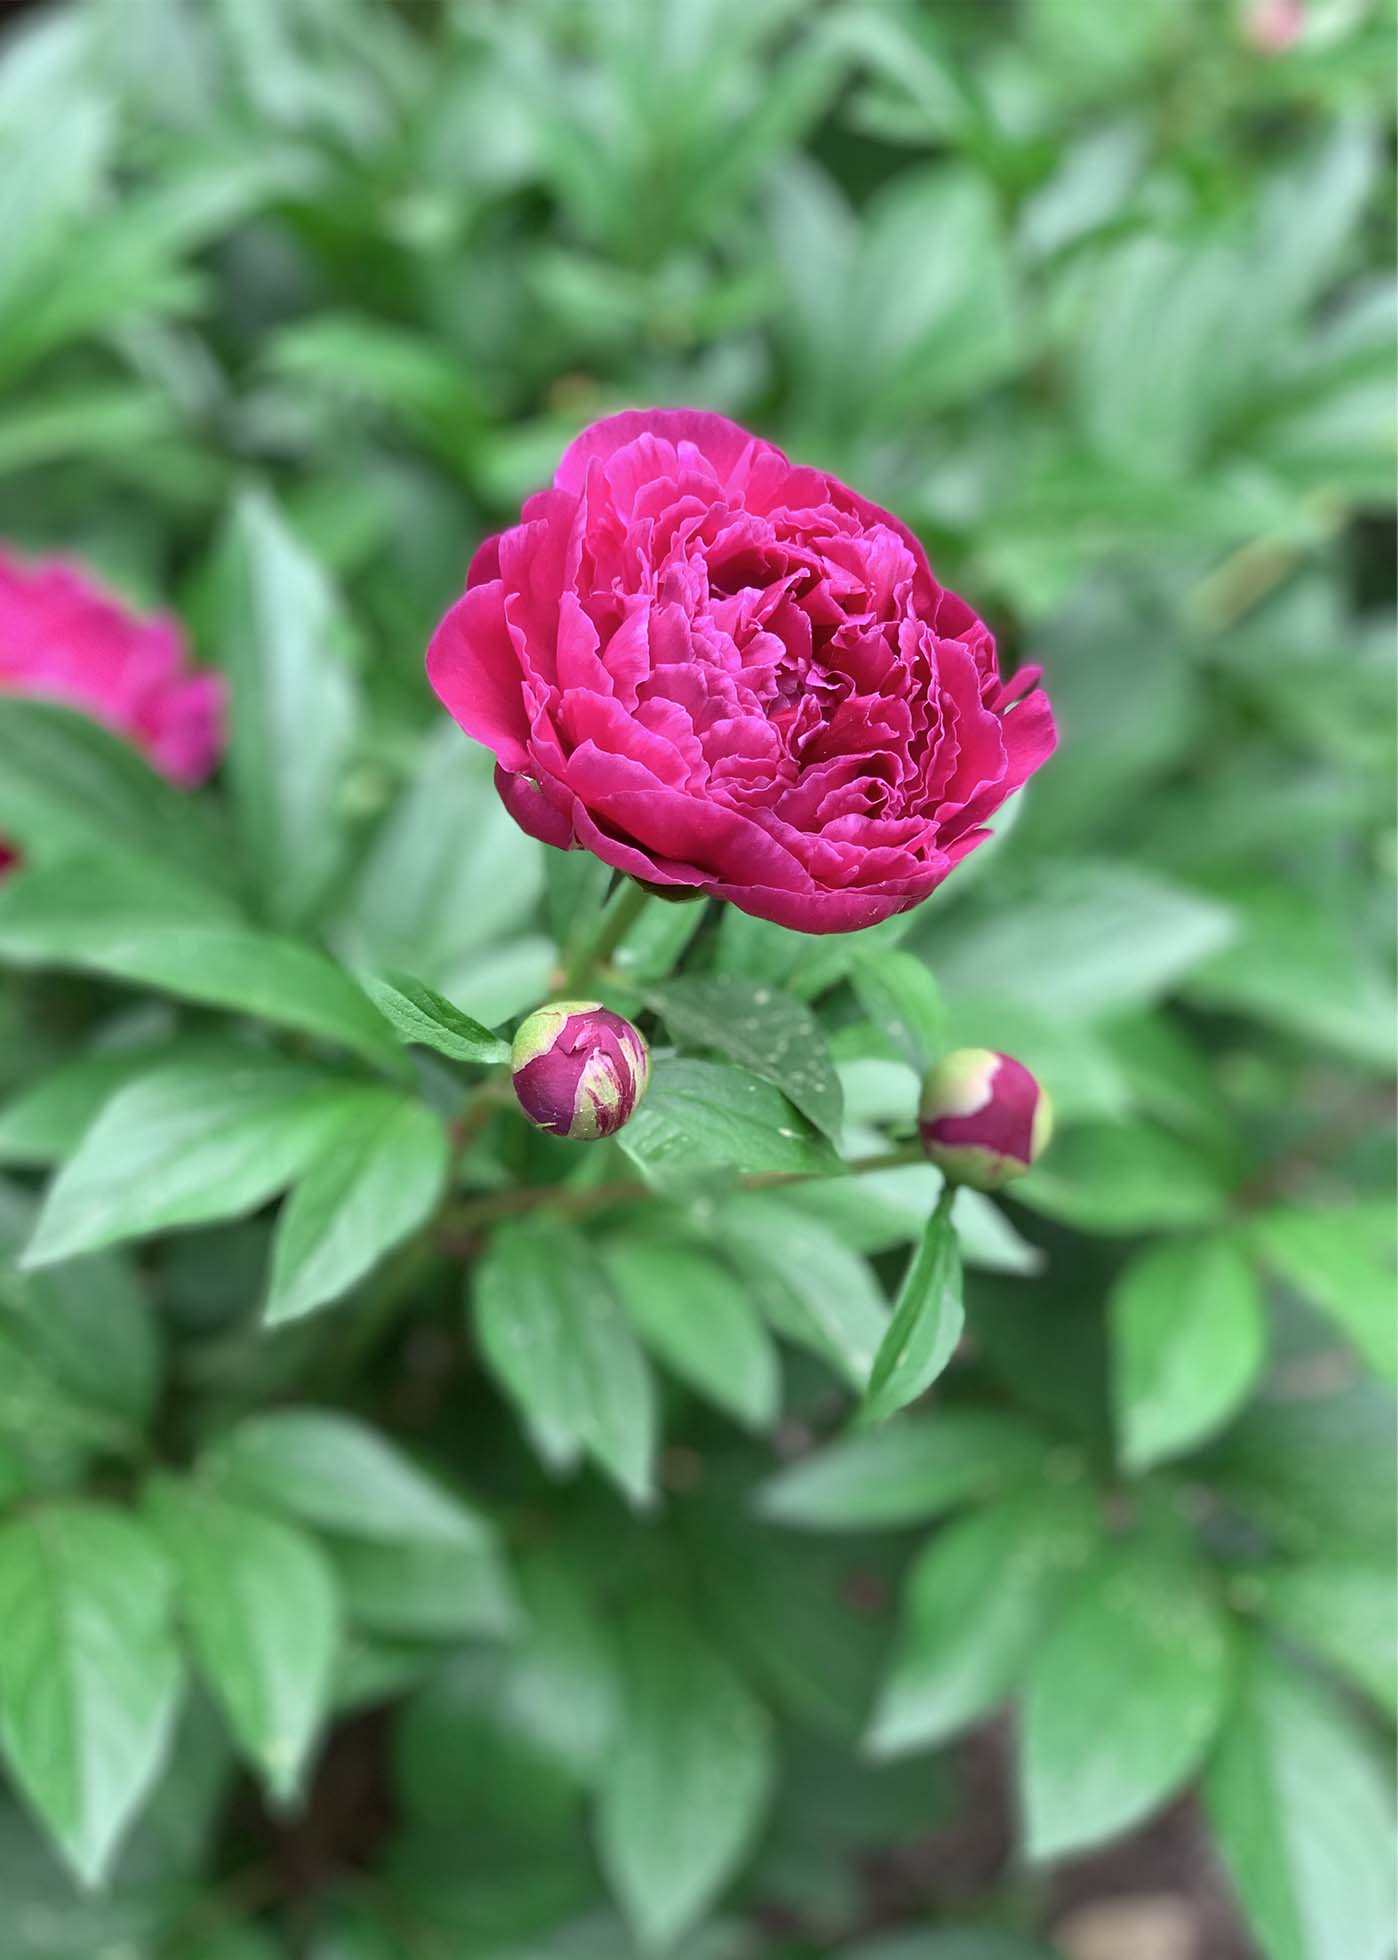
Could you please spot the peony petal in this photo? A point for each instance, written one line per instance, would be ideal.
(474, 670)
(721, 442)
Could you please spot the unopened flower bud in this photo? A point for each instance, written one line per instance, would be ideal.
(579, 1070)
(983, 1118)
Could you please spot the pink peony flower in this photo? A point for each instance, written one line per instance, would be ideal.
(724, 673)
(63, 638)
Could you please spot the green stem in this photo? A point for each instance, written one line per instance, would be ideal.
(619, 915)
(574, 1202)
(946, 1197)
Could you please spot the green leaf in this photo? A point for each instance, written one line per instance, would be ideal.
(46, 1121)
(188, 1144)
(294, 707)
(557, 1339)
(654, 943)
(1190, 1340)
(469, 1762)
(377, 1175)
(927, 1325)
(335, 1473)
(1123, 1699)
(86, 1323)
(705, 1116)
(1316, 1470)
(1342, 1261)
(901, 997)
(89, 1673)
(67, 784)
(1123, 1178)
(518, 1729)
(1303, 967)
(978, 1602)
(1090, 939)
(879, 1210)
(421, 1014)
(906, 1472)
(44, 1423)
(95, 917)
(1300, 1808)
(687, 1781)
(762, 1029)
(1341, 1609)
(697, 1318)
(259, 1599)
(418, 1591)
(424, 903)
(810, 1285)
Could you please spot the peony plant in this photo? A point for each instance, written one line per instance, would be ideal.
(559, 1397)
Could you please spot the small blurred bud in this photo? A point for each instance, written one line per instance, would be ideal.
(983, 1118)
(578, 1069)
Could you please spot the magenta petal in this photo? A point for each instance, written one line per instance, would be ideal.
(721, 442)
(535, 812)
(475, 672)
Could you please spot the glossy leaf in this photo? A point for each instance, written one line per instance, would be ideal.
(260, 1602)
(68, 785)
(810, 1285)
(422, 1015)
(901, 996)
(377, 1176)
(1123, 1699)
(688, 1779)
(88, 916)
(1190, 1341)
(706, 1116)
(762, 1029)
(557, 1338)
(1298, 1804)
(90, 1676)
(1343, 1263)
(927, 1325)
(696, 1317)
(979, 1603)
(187, 1144)
(329, 1470)
(294, 708)
(905, 1472)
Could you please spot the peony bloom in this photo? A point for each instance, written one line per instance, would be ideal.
(578, 1069)
(726, 674)
(983, 1117)
(63, 638)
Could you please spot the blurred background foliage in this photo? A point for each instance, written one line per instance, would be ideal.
(298, 298)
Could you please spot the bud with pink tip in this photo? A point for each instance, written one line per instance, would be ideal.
(983, 1118)
(578, 1069)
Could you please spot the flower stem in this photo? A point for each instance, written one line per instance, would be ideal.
(578, 1202)
(618, 916)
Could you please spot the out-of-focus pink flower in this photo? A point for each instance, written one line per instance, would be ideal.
(63, 638)
(1274, 26)
(725, 674)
